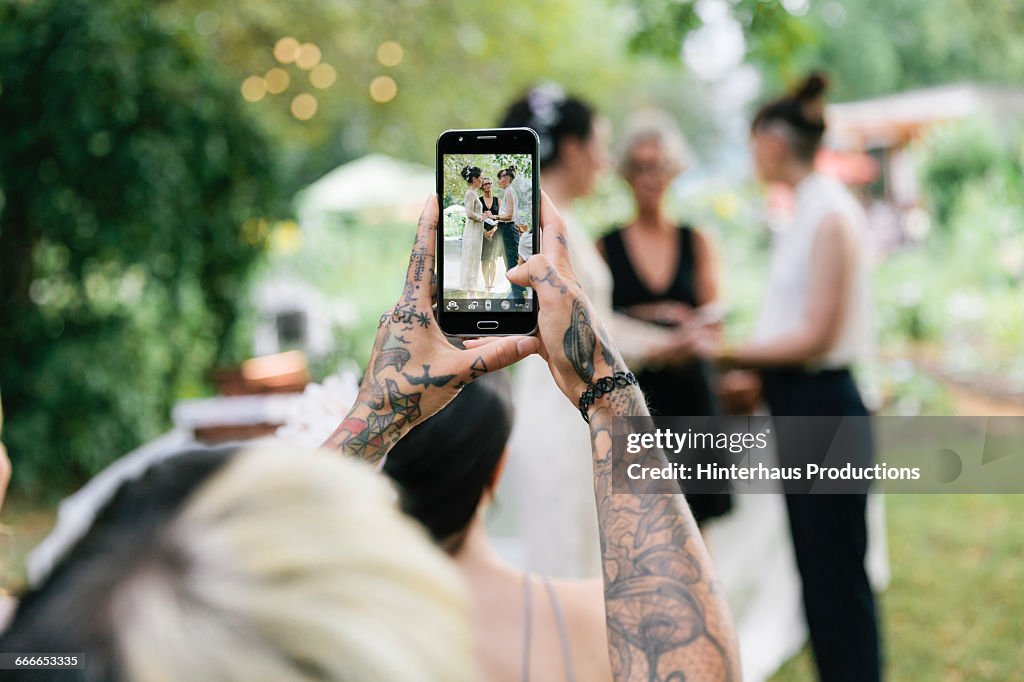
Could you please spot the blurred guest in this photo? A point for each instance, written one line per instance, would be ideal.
(815, 322)
(472, 233)
(665, 272)
(226, 564)
(507, 228)
(492, 245)
(529, 626)
(555, 508)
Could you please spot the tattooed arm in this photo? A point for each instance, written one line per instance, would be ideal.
(414, 371)
(667, 620)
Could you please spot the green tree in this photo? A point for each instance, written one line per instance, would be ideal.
(133, 183)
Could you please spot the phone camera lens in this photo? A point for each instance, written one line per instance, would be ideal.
(460, 139)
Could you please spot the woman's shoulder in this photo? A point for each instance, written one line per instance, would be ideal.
(582, 603)
(582, 600)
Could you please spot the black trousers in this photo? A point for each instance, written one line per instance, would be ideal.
(830, 535)
(509, 234)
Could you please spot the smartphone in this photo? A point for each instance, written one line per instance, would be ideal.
(489, 193)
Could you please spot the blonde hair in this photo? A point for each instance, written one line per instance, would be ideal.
(655, 125)
(294, 567)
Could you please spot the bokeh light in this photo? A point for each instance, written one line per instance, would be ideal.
(308, 56)
(390, 53)
(254, 88)
(383, 89)
(277, 81)
(286, 49)
(323, 76)
(304, 106)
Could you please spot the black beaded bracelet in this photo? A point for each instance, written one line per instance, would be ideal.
(603, 386)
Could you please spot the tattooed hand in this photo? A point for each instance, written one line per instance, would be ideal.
(414, 371)
(572, 338)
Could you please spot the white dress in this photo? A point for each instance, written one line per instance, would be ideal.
(545, 518)
(472, 244)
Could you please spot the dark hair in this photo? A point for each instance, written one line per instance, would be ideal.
(70, 611)
(444, 465)
(802, 111)
(554, 116)
(510, 172)
(470, 172)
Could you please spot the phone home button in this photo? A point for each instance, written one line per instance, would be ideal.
(487, 324)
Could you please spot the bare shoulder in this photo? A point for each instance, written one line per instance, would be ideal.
(582, 603)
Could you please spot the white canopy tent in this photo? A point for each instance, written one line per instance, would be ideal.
(375, 183)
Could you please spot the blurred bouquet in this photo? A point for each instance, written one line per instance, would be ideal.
(321, 408)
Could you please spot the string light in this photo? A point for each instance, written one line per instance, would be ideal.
(323, 76)
(277, 81)
(308, 56)
(304, 106)
(383, 89)
(254, 88)
(390, 53)
(286, 49)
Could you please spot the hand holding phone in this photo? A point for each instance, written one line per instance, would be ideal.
(414, 370)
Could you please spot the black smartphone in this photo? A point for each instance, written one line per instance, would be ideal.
(489, 193)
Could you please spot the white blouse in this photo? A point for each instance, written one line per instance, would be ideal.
(784, 307)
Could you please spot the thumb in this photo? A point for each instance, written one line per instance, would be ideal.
(519, 275)
(500, 352)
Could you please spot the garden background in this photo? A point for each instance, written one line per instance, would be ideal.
(154, 157)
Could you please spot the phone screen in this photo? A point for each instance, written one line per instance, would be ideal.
(488, 203)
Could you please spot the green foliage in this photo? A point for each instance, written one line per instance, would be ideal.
(957, 155)
(960, 291)
(128, 171)
(870, 47)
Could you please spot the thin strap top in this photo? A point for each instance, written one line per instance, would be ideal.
(629, 289)
(563, 636)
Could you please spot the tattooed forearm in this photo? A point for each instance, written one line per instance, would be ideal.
(580, 342)
(665, 622)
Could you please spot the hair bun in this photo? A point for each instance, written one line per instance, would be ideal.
(467, 173)
(813, 87)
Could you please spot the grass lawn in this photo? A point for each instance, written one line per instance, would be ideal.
(955, 608)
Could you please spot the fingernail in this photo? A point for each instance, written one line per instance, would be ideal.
(512, 271)
(525, 346)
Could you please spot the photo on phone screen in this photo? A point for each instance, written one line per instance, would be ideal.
(488, 218)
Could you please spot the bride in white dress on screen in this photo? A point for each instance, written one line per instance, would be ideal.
(472, 234)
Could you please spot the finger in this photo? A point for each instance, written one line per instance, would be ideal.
(480, 341)
(419, 278)
(485, 340)
(536, 271)
(500, 353)
(554, 238)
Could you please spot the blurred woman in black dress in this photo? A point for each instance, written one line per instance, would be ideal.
(665, 272)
